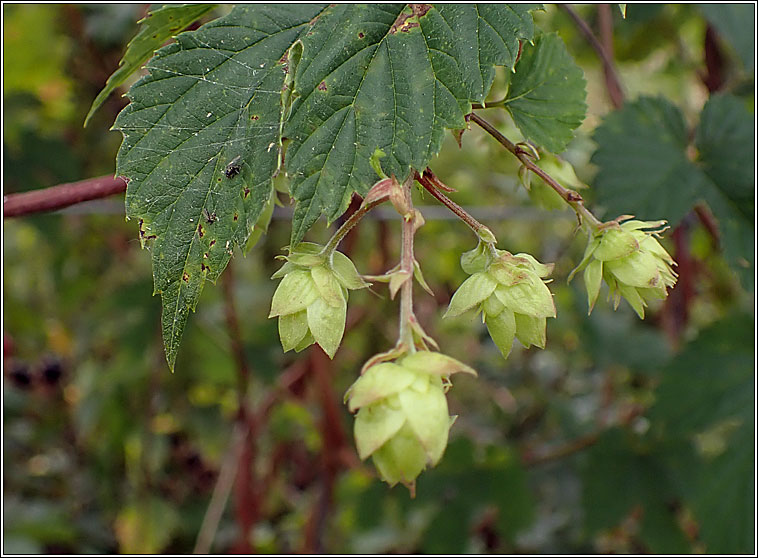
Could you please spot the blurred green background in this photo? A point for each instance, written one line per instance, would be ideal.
(621, 436)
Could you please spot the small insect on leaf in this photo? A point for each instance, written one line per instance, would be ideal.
(233, 168)
(209, 217)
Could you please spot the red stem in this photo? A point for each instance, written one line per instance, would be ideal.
(63, 195)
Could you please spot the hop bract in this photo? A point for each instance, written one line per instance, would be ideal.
(402, 420)
(630, 260)
(311, 300)
(510, 293)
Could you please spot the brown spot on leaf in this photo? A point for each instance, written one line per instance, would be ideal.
(212, 243)
(236, 216)
(361, 35)
(246, 192)
(200, 231)
(185, 277)
(254, 117)
(420, 9)
(204, 267)
(322, 86)
(407, 21)
(205, 255)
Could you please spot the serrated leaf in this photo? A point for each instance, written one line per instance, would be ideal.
(710, 384)
(157, 27)
(391, 77)
(546, 96)
(201, 138)
(637, 480)
(644, 168)
(725, 141)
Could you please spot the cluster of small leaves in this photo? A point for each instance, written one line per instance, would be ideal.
(317, 89)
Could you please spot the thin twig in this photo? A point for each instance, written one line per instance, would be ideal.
(569, 196)
(430, 184)
(63, 195)
(612, 82)
(569, 448)
(246, 494)
(221, 492)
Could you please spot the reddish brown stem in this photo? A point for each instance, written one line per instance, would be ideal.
(247, 504)
(612, 82)
(63, 195)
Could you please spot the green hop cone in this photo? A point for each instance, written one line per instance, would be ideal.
(311, 300)
(511, 294)
(630, 260)
(402, 420)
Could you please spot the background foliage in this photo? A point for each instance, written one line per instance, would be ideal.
(621, 436)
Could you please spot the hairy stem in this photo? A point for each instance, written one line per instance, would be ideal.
(407, 316)
(353, 220)
(431, 184)
(572, 198)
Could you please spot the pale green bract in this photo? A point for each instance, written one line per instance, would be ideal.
(511, 294)
(402, 421)
(311, 300)
(630, 260)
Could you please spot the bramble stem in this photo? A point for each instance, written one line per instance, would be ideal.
(407, 317)
(347, 226)
(572, 198)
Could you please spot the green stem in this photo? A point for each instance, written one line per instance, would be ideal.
(347, 226)
(407, 317)
(494, 104)
(569, 196)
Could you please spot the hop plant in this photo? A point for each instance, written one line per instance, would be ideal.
(402, 421)
(311, 300)
(510, 292)
(630, 260)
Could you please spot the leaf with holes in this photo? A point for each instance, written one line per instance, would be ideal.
(546, 93)
(201, 144)
(158, 27)
(392, 77)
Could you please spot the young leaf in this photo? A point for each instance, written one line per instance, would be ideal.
(157, 27)
(201, 144)
(546, 94)
(391, 77)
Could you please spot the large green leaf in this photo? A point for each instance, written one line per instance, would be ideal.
(704, 416)
(391, 77)
(157, 27)
(546, 94)
(618, 478)
(201, 144)
(725, 142)
(644, 168)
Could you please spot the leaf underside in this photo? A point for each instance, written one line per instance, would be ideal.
(204, 132)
